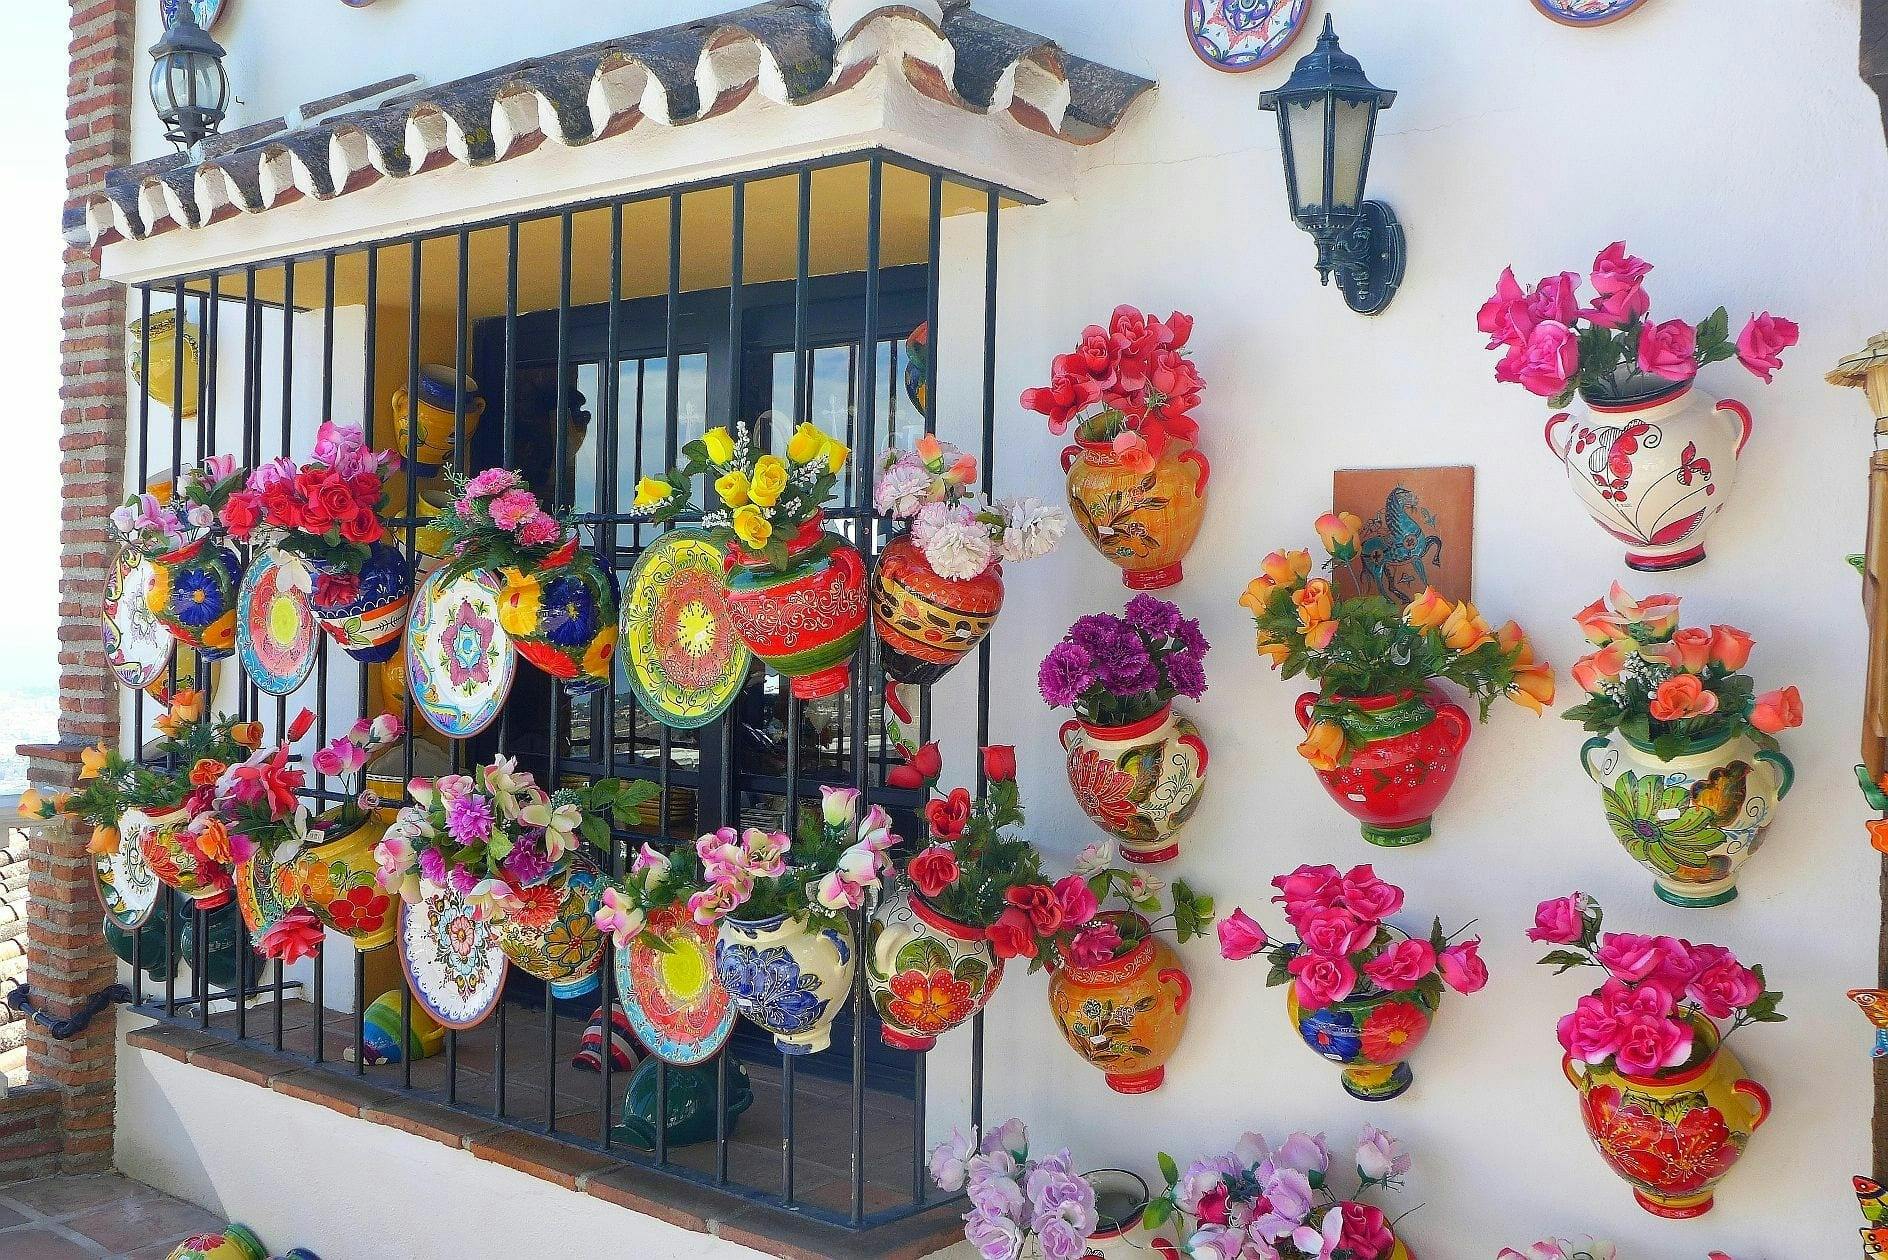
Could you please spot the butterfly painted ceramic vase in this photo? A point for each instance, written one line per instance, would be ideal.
(160, 841)
(1676, 1134)
(1653, 473)
(1140, 782)
(805, 621)
(193, 595)
(1405, 751)
(787, 977)
(1693, 820)
(1144, 521)
(927, 973)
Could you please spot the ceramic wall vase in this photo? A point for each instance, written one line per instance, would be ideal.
(805, 622)
(438, 417)
(1694, 820)
(1372, 1034)
(926, 623)
(1653, 473)
(786, 977)
(1120, 1233)
(562, 618)
(554, 937)
(364, 610)
(1125, 1016)
(1405, 750)
(169, 352)
(1145, 521)
(193, 595)
(160, 842)
(338, 880)
(1675, 1135)
(1141, 782)
(265, 891)
(927, 972)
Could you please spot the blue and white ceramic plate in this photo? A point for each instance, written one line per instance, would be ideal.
(452, 961)
(1241, 35)
(1587, 12)
(460, 663)
(277, 635)
(207, 12)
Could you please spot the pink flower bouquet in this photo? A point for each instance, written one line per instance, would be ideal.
(932, 488)
(495, 522)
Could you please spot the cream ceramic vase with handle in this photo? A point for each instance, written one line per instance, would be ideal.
(1653, 473)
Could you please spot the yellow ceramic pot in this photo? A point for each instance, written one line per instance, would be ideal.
(430, 541)
(438, 418)
(339, 882)
(159, 838)
(1145, 521)
(159, 375)
(1126, 1016)
(1675, 1135)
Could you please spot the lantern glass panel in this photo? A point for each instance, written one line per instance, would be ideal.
(1351, 154)
(1304, 130)
(211, 84)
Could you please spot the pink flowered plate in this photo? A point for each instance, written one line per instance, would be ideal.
(1241, 35)
(460, 663)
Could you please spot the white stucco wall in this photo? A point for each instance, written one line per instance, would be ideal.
(1727, 141)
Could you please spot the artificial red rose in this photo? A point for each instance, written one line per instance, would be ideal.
(999, 763)
(362, 527)
(1366, 1233)
(949, 816)
(934, 870)
(920, 769)
(1212, 1209)
(1039, 902)
(335, 590)
(281, 507)
(332, 500)
(1010, 936)
(1066, 395)
(1095, 354)
(297, 935)
(242, 514)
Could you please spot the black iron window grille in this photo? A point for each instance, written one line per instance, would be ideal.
(601, 337)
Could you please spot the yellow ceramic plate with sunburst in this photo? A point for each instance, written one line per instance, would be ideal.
(685, 662)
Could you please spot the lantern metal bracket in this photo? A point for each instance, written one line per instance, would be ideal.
(1368, 256)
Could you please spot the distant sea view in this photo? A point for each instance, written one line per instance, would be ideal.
(26, 717)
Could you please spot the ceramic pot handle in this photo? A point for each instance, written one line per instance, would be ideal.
(1786, 770)
(1191, 739)
(1165, 1250)
(1453, 719)
(1069, 455)
(1183, 987)
(1068, 728)
(1559, 452)
(1306, 703)
(1759, 1102)
(1586, 755)
(1575, 1078)
(849, 559)
(1743, 419)
(1206, 470)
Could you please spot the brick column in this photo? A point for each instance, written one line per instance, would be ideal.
(67, 958)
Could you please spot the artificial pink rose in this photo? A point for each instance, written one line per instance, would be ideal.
(1590, 1032)
(1669, 350)
(1630, 1001)
(1240, 936)
(1776, 711)
(1076, 899)
(1321, 981)
(1630, 957)
(1504, 316)
(1308, 888)
(1335, 932)
(511, 508)
(1366, 1233)
(1730, 647)
(1761, 345)
(1095, 945)
(1368, 897)
(1616, 310)
(1462, 967)
(1652, 1043)
(1724, 988)
(1556, 299)
(1561, 921)
(1549, 360)
(1614, 269)
(1402, 966)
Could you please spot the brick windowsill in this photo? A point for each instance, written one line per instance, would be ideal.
(699, 1209)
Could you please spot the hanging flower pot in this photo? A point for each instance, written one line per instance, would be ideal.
(562, 618)
(177, 864)
(552, 932)
(1140, 782)
(193, 595)
(786, 977)
(338, 881)
(807, 620)
(926, 623)
(1143, 518)
(265, 892)
(927, 972)
(364, 607)
(438, 416)
(1404, 751)
(1371, 1034)
(1125, 1015)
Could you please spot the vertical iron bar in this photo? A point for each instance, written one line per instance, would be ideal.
(508, 439)
(990, 254)
(672, 405)
(737, 309)
(369, 405)
(409, 509)
(137, 697)
(609, 422)
(560, 452)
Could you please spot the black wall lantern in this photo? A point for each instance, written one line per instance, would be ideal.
(1327, 120)
(188, 84)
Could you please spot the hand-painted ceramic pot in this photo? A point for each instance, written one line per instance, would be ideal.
(160, 839)
(927, 973)
(926, 623)
(786, 977)
(1405, 750)
(1675, 1135)
(1371, 1033)
(168, 350)
(438, 417)
(554, 937)
(1125, 1016)
(380, 1030)
(265, 891)
(691, 1104)
(805, 621)
(364, 610)
(1146, 521)
(235, 1242)
(1694, 820)
(1120, 1232)
(193, 595)
(1653, 473)
(1139, 782)
(430, 541)
(339, 881)
(562, 617)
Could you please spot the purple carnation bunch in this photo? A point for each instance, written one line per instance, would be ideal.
(1014, 1198)
(1113, 669)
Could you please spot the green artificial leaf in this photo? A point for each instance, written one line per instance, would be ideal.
(1157, 1213)
(1564, 959)
(1168, 1168)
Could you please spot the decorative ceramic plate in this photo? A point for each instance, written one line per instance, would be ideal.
(675, 1004)
(1587, 12)
(127, 887)
(1241, 35)
(207, 12)
(276, 638)
(686, 663)
(452, 961)
(460, 663)
(136, 647)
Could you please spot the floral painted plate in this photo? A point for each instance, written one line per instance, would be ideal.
(1241, 35)
(460, 663)
(1586, 12)
(675, 1004)
(276, 629)
(686, 663)
(451, 960)
(137, 647)
(127, 887)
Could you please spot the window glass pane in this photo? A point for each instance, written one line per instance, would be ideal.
(590, 456)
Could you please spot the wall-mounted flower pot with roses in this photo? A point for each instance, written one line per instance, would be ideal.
(195, 574)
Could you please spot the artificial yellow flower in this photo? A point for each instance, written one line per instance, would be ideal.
(247, 734)
(104, 840)
(32, 804)
(1258, 595)
(1338, 531)
(720, 444)
(769, 481)
(732, 487)
(1428, 610)
(752, 528)
(1314, 603)
(1285, 568)
(652, 490)
(518, 605)
(92, 760)
(1273, 652)
(1533, 687)
(1465, 630)
(836, 453)
(806, 445)
(1323, 746)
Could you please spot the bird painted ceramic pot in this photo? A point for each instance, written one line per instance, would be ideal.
(554, 936)
(1140, 782)
(193, 595)
(438, 417)
(690, 1095)
(786, 977)
(1654, 473)
(1125, 1016)
(1674, 1135)
(364, 609)
(1121, 1200)
(1372, 1034)
(807, 621)
(926, 623)
(561, 616)
(235, 1242)
(927, 973)
(1405, 750)
(160, 839)
(1146, 521)
(1693, 820)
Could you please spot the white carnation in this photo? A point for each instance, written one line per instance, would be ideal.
(902, 488)
(959, 549)
(1031, 528)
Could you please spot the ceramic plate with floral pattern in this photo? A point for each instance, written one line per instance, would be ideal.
(207, 12)
(1241, 35)
(675, 1004)
(452, 961)
(127, 887)
(685, 662)
(276, 638)
(1587, 12)
(136, 647)
(460, 663)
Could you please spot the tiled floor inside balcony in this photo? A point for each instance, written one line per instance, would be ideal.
(103, 1217)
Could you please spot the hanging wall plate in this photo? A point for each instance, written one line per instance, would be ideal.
(1241, 35)
(451, 960)
(1586, 12)
(126, 885)
(685, 661)
(137, 647)
(675, 1004)
(207, 12)
(276, 630)
(460, 663)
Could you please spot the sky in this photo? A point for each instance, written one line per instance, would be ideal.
(32, 176)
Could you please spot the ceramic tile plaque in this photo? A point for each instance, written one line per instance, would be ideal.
(1418, 530)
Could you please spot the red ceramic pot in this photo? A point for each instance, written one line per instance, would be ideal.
(805, 621)
(927, 623)
(1405, 749)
